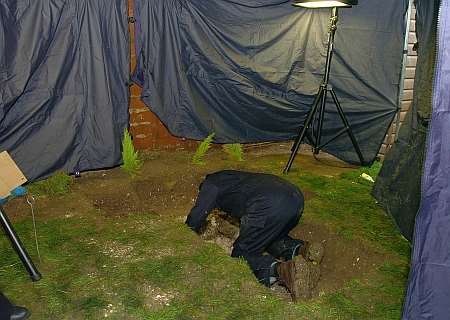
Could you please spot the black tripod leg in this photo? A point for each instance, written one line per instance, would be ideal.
(18, 247)
(323, 102)
(302, 132)
(347, 127)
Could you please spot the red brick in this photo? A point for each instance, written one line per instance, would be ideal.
(147, 130)
(410, 73)
(144, 143)
(406, 105)
(403, 116)
(130, 7)
(139, 117)
(408, 95)
(411, 61)
(409, 84)
(137, 103)
(135, 91)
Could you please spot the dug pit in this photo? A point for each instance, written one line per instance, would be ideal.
(223, 230)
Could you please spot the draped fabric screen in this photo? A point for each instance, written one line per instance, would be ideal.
(248, 70)
(63, 83)
(398, 184)
(429, 283)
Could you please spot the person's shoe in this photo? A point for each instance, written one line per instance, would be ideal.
(19, 313)
(286, 248)
(312, 252)
(296, 275)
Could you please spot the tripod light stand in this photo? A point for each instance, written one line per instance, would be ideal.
(320, 100)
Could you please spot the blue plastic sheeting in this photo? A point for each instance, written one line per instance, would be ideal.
(63, 83)
(248, 70)
(428, 295)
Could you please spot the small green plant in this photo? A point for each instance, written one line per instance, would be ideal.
(198, 157)
(131, 161)
(58, 184)
(235, 151)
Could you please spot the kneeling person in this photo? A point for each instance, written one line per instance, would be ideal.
(268, 208)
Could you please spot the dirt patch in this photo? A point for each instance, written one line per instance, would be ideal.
(168, 186)
(343, 260)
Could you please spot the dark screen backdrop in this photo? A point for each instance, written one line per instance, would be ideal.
(63, 83)
(248, 70)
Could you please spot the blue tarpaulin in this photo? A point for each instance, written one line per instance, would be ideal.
(428, 295)
(248, 70)
(64, 73)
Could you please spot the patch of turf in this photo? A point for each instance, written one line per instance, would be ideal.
(150, 267)
(57, 184)
(345, 205)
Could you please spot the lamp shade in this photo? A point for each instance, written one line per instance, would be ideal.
(324, 3)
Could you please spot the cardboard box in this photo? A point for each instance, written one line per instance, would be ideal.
(10, 175)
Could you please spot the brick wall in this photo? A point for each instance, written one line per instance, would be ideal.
(408, 85)
(146, 129)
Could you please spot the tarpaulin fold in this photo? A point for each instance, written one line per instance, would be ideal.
(398, 185)
(428, 292)
(248, 70)
(64, 69)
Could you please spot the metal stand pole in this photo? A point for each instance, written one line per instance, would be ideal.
(18, 246)
(319, 106)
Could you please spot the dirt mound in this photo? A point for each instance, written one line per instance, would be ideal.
(223, 230)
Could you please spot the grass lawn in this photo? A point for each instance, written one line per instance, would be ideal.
(115, 247)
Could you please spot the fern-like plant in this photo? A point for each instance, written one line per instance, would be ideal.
(199, 155)
(131, 161)
(235, 151)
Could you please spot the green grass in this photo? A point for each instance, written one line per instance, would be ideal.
(355, 175)
(147, 267)
(344, 204)
(58, 184)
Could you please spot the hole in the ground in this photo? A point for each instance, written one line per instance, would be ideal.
(223, 230)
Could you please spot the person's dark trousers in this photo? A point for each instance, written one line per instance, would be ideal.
(5, 308)
(257, 234)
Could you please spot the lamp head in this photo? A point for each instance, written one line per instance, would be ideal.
(325, 3)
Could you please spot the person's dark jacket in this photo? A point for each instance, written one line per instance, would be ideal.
(240, 193)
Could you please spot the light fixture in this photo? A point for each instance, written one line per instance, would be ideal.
(325, 3)
(313, 125)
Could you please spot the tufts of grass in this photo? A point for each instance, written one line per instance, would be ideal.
(147, 267)
(204, 146)
(346, 206)
(234, 151)
(58, 184)
(355, 175)
(131, 160)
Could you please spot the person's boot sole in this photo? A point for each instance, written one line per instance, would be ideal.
(296, 276)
